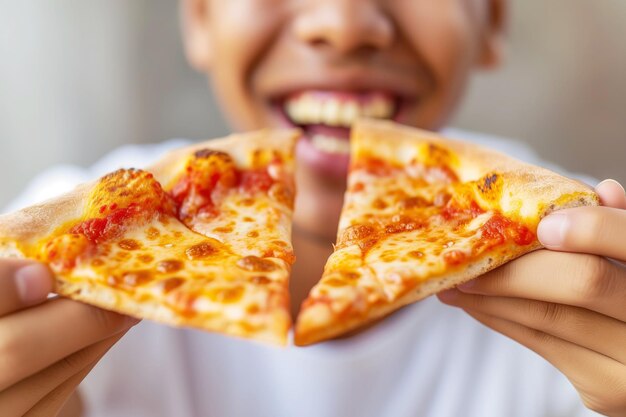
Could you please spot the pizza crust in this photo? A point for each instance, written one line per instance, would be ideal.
(314, 326)
(30, 224)
(524, 188)
(238, 146)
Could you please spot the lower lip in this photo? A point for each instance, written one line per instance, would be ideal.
(332, 166)
(325, 164)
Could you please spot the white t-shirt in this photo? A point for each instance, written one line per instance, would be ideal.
(427, 360)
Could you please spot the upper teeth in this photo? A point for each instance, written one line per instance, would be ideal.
(319, 109)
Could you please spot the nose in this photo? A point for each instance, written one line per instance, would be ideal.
(344, 26)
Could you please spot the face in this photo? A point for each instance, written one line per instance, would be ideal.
(320, 64)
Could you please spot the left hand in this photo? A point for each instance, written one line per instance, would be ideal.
(567, 303)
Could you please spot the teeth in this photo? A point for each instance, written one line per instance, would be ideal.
(316, 109)
(329, 144)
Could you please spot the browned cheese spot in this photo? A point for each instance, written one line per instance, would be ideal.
(207, 153)
(170, 284)
(412, 202)
(334, 282)
(225, 295)
(253, 234)
(248, 219)
(415, 254)
(152, 233)
(201, 250)
(379, 204)
(256, 264)
(488, 182)
(247, 202)
(253, 309)
(169, 266)
(282, 194)
(129, 244)
(145, 258)
(223, 229)
(136, 278)
(260, 280)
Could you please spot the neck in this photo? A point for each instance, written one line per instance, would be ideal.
(318, 205)
(311, 253)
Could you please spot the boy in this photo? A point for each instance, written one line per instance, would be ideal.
(317, 64)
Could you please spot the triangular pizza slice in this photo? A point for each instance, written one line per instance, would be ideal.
(201, 239)
(422, 214)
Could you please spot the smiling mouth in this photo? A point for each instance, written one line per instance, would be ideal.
(326, 116)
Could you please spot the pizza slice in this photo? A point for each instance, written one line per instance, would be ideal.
(422, 214)
(201, 239)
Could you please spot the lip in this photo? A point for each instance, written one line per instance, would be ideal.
(403, 87)
(324, 164)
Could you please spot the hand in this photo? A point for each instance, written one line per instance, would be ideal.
(46, 346)
(568, 307)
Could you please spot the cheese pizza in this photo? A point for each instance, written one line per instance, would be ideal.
(202, 238)
(422, 214)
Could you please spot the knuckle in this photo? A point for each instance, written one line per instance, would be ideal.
(611, 399)
(591, 225)
(547, 312)
(540, 337)
(107, 321)
(9, 360)
(75, 362)
(591, 278)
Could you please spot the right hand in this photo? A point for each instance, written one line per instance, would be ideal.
(47, 346)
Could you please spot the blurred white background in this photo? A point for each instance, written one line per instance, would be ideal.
(78, 78)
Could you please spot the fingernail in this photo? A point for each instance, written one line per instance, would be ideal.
(551, 230)
(33, 283)
(448, 295)
(612, 181)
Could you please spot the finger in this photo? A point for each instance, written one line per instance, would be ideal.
(597, 230)
(587, 281)
(612, 194)
(19, 398)
(580, 326)
(591, 373)
(22, 284)
(53, 403)
(33, 339)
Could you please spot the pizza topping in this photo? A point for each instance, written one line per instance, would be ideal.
(225, 295)
(260, 280)
(169, 266)
(62, 252)
(498, 229)
(208, 174)
(453, 211)
(375, 166)
(200, 250)
(454, 257)
(256, 180)
(129, 244)
(136, 278)
(170, 284)
(145, 258)
(256, 264)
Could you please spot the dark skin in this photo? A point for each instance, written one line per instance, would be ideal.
(566, 306)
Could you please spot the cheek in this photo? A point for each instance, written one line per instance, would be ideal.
(443, 34)
(241, 37)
